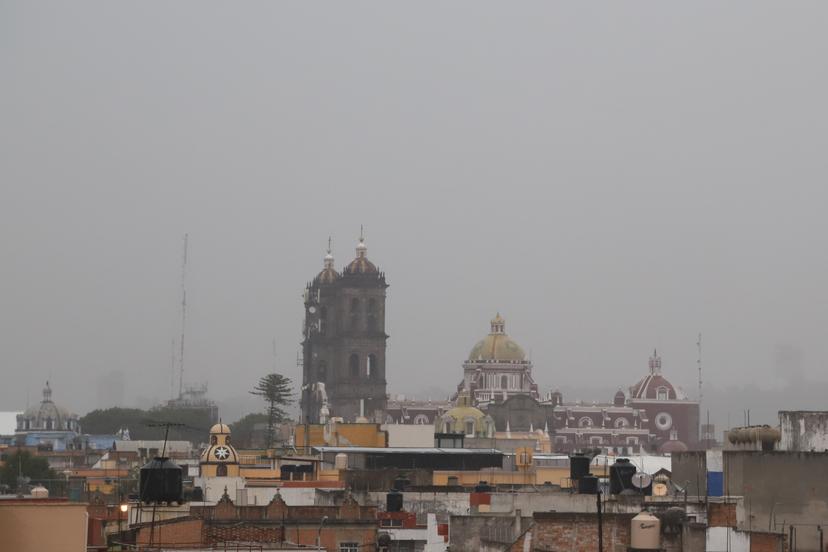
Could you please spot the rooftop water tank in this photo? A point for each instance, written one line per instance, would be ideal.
(620, 475)
(40, 492)
(161, 481)
(394, 501)
(341, 461)
(578, 466)
(645, 532)
(588, 484)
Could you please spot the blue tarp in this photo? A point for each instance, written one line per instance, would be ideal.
(715, 484)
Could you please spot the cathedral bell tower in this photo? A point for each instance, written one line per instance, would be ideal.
(343, 369)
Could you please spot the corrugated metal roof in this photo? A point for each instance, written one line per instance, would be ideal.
(405, 450)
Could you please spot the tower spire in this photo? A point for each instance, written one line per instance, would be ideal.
(329, 259)
(655, 363)
(361, 250)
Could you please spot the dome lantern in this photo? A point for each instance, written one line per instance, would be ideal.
(498, 325)
(655, 363)
(361, 264)
(497, 346)
(329, 275)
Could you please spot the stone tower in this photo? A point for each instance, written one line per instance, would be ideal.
(343, 369)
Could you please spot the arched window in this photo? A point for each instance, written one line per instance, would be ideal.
(323, 320)
(469, 428)
(221, 470)
(353, 364)
(662, 394)
(372, 315)
(322, 371)
(354, 313)
(504, 382)
(420, 419)
(372, 368)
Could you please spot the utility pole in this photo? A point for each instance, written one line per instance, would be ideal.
(600, 521)
(699, 365)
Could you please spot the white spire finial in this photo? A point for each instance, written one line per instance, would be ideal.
(361, 249)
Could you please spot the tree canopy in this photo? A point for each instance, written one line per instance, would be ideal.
(245, 434)
(24, 463)
(197, 422)
(277, 391)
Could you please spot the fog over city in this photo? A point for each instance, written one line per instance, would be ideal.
(611, 178)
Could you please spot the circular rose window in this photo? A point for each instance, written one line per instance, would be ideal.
(663, 421)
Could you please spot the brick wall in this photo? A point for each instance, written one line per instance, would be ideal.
(574, 532)
(721, 514)
(767, 542)
(185, 531)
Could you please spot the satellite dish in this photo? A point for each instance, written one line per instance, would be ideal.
(641, 480)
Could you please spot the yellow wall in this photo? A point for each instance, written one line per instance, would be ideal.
(209, 470)
(343, 435)
(31, 525)
(533, 476)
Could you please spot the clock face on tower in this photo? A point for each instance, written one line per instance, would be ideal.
(222, 453)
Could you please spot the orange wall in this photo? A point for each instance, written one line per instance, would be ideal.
(343, 435)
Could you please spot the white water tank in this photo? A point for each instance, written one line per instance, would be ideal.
(40, 492)
(341, 461)
(645, 532)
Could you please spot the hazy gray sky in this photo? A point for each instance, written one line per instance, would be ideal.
(611, 177)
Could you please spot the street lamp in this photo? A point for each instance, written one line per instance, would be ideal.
(123, 510)
(319, 532)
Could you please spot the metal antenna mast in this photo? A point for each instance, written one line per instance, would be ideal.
(172, 369)
(183, 319)
(274, 355)
(699, 364)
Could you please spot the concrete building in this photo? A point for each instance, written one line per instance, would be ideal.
(803, 430)
(40, 524)
(786, 490)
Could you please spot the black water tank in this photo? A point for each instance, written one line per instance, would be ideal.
(620, 475)
(400, 483)
(588, 484)
(578, 466)
(161, 481)
(394, 501)
(483, 487)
